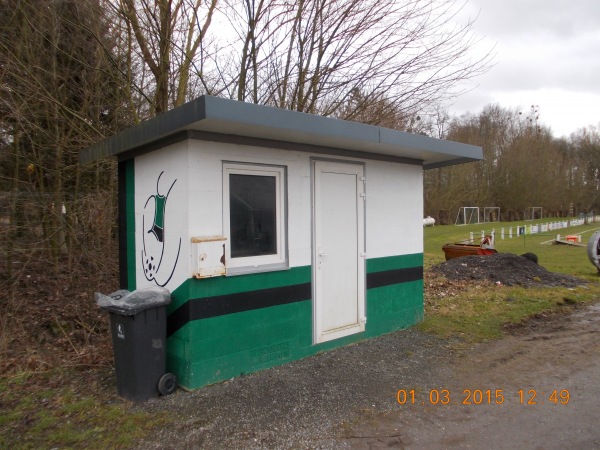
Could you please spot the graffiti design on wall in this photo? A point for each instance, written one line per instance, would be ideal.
(156, 241)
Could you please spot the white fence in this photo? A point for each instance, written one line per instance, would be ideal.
(520, 230)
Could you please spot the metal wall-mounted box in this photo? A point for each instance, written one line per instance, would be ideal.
(209, 256)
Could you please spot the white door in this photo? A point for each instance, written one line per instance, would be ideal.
(338, 250)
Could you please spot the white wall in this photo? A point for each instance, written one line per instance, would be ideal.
(169, 258)
(194, 206)
(394, 209)
(206, 191)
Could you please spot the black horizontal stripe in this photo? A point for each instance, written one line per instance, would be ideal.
(204, 308)
(396, 276)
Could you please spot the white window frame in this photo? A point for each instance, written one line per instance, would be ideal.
(252, 264)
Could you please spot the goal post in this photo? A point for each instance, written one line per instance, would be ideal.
(467, 215)
(535, 212)
(491, 214)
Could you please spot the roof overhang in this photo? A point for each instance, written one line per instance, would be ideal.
(212, 116)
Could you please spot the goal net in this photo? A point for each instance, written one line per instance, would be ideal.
(467, 215)
(491, 214)
(535, 213)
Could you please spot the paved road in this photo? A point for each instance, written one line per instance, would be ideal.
(561, 354)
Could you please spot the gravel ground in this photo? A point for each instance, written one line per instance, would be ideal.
(344, 398)
(309, 403)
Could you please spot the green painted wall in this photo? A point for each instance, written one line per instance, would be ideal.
(209, 350)
(210, 287)
(130, 208)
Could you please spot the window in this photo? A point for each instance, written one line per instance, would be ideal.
(254, 216)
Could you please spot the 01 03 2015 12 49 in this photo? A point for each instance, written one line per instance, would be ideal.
(482, 397)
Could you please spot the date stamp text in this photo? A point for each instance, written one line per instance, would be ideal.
(482, 397)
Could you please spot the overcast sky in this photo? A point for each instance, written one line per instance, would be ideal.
(547, 54)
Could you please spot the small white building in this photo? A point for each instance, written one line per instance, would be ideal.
(278, 233)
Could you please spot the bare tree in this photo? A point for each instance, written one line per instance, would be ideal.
(523, 166)
(315, 55)
(584, 173)
(305, 55)
(59, 93)
(162, 39)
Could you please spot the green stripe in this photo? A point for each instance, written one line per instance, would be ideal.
(216, 286)
(212, 287)
(217, 348)
(130, 207)
(394, 262)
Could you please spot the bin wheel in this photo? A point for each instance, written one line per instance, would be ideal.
(167, 384)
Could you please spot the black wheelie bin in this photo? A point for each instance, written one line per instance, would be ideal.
(138, 326)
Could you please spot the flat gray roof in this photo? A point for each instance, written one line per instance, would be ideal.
(219, 116)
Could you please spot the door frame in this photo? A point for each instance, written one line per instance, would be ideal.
(318, 335)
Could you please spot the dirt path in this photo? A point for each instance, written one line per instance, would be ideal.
(561, 353)
(347, 397)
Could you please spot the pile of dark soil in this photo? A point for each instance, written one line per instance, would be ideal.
(504, 268)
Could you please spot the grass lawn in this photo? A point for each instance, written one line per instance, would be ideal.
(51, 410)
(480, 311)
(556, 258)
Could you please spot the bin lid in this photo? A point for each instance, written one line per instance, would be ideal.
(129, 303)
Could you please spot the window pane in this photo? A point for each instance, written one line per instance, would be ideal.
(252, 215)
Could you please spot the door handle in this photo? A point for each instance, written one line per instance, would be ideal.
(321, 253)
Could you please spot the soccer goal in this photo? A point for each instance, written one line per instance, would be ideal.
(467, 215)
(535, 212)
(491, 214)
